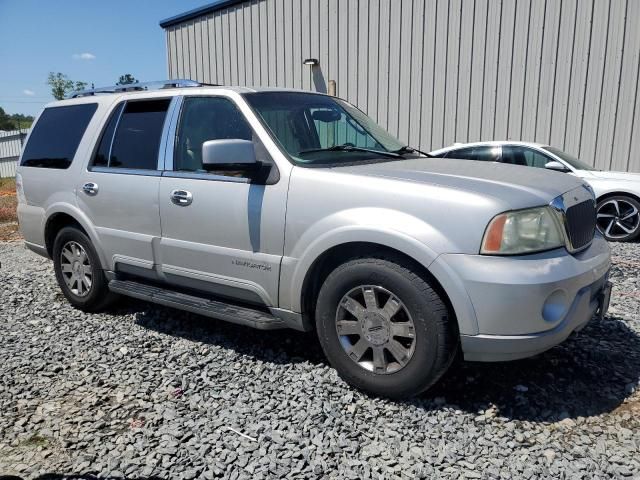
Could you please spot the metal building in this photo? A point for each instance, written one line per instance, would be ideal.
(434, 72)
(10, 146)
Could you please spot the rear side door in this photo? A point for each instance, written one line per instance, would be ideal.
(119, 189)
(222, 230)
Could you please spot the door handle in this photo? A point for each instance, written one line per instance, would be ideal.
(182, 198)
(90, 188)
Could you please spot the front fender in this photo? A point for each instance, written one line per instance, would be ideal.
(393, 229)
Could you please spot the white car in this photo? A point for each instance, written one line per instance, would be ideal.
(617, 193)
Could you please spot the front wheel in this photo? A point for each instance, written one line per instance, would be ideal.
(384, 328)
(618, 218)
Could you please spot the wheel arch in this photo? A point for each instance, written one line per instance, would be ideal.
(338, 254)
(63, 215)
(617, 193)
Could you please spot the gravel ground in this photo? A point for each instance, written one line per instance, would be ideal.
(145, 391)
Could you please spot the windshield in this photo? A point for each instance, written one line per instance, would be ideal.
(570, 159)
(319, 129)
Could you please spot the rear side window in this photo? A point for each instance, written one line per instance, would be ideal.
(101, 158)
(56, 136)
(137, 135)
(484, 154)
(462, 154)
(487, 154)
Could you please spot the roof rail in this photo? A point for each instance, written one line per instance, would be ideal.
(136, 87)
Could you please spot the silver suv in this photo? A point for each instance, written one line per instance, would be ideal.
(280, 208)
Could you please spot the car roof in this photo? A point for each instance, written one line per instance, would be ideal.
(494, 143)
(109, 97)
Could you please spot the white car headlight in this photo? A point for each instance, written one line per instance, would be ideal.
(523, 231)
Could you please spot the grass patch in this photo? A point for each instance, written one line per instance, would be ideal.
(35, 441)
(8, 207)
(7, 185)
(8, 201)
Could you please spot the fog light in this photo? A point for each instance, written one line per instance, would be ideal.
(555, 306)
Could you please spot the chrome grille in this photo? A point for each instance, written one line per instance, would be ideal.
(581, 223)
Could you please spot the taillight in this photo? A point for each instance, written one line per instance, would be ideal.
(20, 189)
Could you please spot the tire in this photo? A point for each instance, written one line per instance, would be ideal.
(90, 298)
(618, 218)
(423, 358)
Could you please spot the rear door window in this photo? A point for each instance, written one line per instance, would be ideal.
(101, 158)
(137, 135)
(462, 154)
(483, 154)
(55, 137)
(487, 154)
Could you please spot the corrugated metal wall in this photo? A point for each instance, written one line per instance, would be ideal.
(563, 72)
(10, 146)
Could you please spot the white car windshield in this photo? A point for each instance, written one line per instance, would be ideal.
(570, 159)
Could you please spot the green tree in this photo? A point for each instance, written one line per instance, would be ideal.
(126, 79)
(6, 122)
(79, 86)
(22, 121)
(61, 85)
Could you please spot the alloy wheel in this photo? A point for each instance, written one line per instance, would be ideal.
(375, 329)
(618, 219)
(76, 268)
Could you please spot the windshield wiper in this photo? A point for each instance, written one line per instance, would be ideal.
(350, 148)
(408, 149)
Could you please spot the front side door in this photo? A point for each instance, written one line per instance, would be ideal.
(119, 189)
(222, 231)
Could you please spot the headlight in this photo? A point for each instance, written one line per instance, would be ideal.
(522, 231)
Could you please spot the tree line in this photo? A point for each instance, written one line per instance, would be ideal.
(61, 85)
(14, 122)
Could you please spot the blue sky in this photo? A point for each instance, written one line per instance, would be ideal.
(92, 41)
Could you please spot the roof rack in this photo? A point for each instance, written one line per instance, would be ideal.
(136, 87)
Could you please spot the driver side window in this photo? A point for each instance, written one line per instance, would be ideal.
(524, 156)
(203, 119)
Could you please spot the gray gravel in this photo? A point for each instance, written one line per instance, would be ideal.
(147, 391)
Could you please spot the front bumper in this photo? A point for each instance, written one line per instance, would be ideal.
(525, 305)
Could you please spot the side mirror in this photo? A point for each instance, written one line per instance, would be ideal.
(217, 153)
(556, 166)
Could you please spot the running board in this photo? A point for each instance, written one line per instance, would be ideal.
(247, 316)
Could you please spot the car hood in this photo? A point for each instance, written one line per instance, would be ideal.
(634, 177)
(519, 187)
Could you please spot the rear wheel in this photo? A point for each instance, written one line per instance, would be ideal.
(618, 218)
(78, 271)
(384, 328)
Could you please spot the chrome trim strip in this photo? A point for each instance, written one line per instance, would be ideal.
(166, 126)
(126, 171)
(122, 106)
(205, 176)
(170, 137)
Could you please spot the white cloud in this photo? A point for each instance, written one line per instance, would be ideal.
(83, 56)
(28, 93)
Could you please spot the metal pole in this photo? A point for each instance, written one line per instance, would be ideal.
(332, 88)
